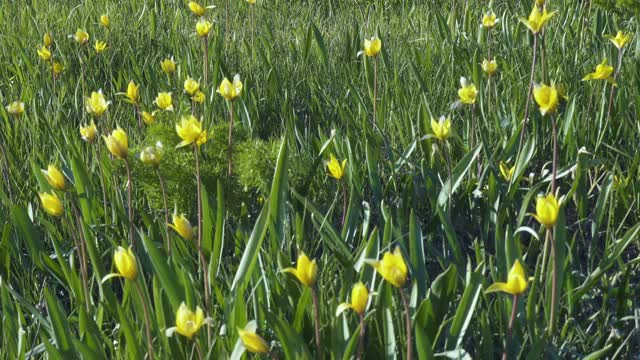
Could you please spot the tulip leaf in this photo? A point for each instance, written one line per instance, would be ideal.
(28, 232)
(292, 345)
(250, 254)
(457, 175)
(466, 307)
(59, 325)
(168, 277)
(417, 256)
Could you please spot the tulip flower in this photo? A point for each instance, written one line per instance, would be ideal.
(305, 271)
(163, 101)
(251, 341)
(372, 47)
(251, 2)
(540, 3)
(467, 92)
(203, 27)
(89, 132)
(230, 91)
(489, 66)
(537, 20)
(199, 97)
(506, 171)
(54, 177)
(133, 93)
(489, 20)
(441, 128)
(191, 87)
(196, 9)
(168, 66)
(188, 322)
(517, 282)
(189, 129)
(149, 118)
(547, 98)
(15, 108)
(182, 226)
(118, 143)
(57, 68)
(392, 268)
(81, 37)
(51, 204)
(97, 104)
(152, 155)
(620, 40)
(359, 300)
(47, 40)
(100, 46)
(44, 53)
(126, 265)
(547, 209)
(105, 21)
(337, 169)
(602, 72)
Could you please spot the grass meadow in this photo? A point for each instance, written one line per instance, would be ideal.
(396, 179)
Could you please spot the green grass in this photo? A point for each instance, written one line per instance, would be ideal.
(306, 95)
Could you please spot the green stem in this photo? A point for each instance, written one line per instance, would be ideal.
(526, 108)
(130, 203)
(554, 282)
(229, 150)
(375, 90)
(512, 320)
(203, 260)
(147, 320)
(361, 338)
(166, 211)
(407, 319)
(316, 314)
(613, 88)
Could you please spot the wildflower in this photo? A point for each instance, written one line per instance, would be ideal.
(359, 299)
(105, 21)
(489, 20)
(198, 97)
(337, 169)
(97, 104)
(537, 20)
(118, 143)
(44, 53)
(100, 46)
(16, 108)
(620, 40)
(57, 68)
(506, 171)
(371, 47)
(251, 341)
(517, 282)
(305, 270)
(467, 92)
(441, 128)
(546, 97)
(191, 86)
(168, 66)
(89, 132)
(133, 92)
(251, 2)
(547, 209)
(189, 129)
(149, 118)
(182, 226)
(51, 204)
(126, 264)
(188, 322)
(203, 27)
(196, 9)
(152, 155)
(81, 37)
(602, 72)
(392, 268)
(48, 40)
(54, 177)
(164, 102)
(489, 66)
(228, 90)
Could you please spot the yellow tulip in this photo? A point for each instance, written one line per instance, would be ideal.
(44, 53)
(191, 86)
(441, 128)
(57, 68)
(392, 268)
(51, 204)
(228, 90)
(81, 37)
(372, 47)
(537, 20)
(100, 46)
(305, 270)
(203, 27)
(152, 155)
(540, 3)
(54, 177)
(126, 264)
(517, 282)
(602, 72)
(251, 2)
(506, 171)
(547, 98)
(489, 66)
(97, 104)
(359, 299)
(467, 92)
(164, 101)
(196, 9)
(168, 66)
(48, 40)
(547, 209)
(620, 40)
(133, 92)
(118, 143)
(336, 168)
(89, 132)
(182, 226)
(489, 20)
(105, 21)
(149, 118)
(16, 108)
(190, 130)
(198, 97)
(188, 322)
(251, 341)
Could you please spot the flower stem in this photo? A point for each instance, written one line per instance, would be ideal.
(555, 154)
(136, 109)
(102, 183)
(229, 150)
(80, 260)
(447, 156)
(512, 320)
(198, 350)
(226, 10)
(147, 320)
(526, 107)
(7, 170)
(205, 60)
(344, 201)
(203, 260)
(407, 319)
(375, 89)
(53, 76)
(554, 282)
(361, 338)
(316, 314)
(613, 88)
(130, 203)
(166, 211)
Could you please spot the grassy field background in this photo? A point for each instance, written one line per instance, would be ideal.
(306, 96)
